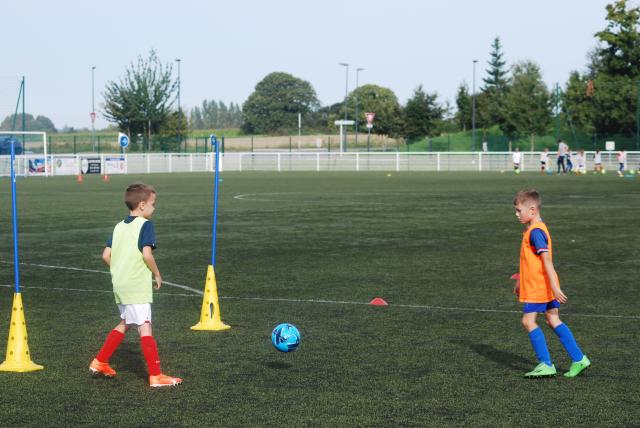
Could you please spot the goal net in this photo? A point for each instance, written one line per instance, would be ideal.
(30, 146)
(30, 149)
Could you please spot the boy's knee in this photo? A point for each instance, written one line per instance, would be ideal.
(553, 320)
(528, 324)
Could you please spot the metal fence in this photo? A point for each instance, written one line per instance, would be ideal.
(34, 165)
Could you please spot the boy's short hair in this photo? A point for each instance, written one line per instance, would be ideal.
(136, 193)
(528, 195)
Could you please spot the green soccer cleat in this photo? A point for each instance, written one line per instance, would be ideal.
(578, 367)
(542, 370)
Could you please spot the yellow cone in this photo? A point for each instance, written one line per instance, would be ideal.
(210, 313)
(18, 357)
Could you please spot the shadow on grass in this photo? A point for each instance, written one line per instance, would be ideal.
(504, 358)
(279, 365)
(127, 359)
(499, 356)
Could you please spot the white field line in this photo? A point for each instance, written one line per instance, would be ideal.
(252, 197)
(184, 287)
(316, 301)
(86, 290)
(249, 196)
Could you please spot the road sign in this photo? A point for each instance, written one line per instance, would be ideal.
(369, 125)
(93, 116)
(123, 140)
(370, 116)
(344, 122)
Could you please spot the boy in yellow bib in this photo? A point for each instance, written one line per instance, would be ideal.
(538, 288)
(130, 259)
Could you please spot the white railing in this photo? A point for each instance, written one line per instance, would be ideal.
(60, 164)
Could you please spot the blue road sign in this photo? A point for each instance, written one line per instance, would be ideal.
(123, 140)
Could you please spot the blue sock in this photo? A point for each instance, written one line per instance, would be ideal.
(569, 343)
(540, 346)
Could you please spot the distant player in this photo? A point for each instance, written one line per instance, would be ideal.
(597, 161)
(581, 159)
(567, 156)
(129, 256)
(544, 158)
(622, 162)
(517, 158)
(562, 152)
(538, 288)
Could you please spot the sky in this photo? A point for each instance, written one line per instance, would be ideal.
(226, 48)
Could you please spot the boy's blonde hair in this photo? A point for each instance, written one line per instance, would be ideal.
(528, 195)
(136, 193)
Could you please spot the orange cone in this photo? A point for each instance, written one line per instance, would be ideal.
(79, 178)
(105, 178)
(378, 301)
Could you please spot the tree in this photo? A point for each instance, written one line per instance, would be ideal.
(619, 54)
(495, 85)
(216, 115)
(39, 123)
(577, 102)
(604, 99)
(141, 101)
(276, 102)
(422, 115)
(463, 104)
(165, 140)
(527, 108)
(381, 101)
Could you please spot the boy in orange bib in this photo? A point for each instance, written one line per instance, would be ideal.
(538, 288)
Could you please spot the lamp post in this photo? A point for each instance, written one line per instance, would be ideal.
(93, 108)
(355, 93)
(346, 92)
(473, 103)
(179, 130)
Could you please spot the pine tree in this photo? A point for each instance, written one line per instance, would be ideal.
(496, 79)
(463, 104)
(422, 115)
(495, 84)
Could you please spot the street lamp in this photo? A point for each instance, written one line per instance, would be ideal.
(346, 92)
(93, 108)
(355, 93)
(473, 115)
(178, 60)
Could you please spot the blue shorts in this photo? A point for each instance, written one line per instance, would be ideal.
(527, 308)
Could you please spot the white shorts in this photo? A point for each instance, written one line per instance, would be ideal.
(135, 313)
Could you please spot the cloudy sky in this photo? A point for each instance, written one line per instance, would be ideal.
(227, 47)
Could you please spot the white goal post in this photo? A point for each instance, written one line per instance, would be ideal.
(34, 145)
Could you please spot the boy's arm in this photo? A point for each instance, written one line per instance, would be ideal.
(553, 278)
(106, 255)
(147, 255)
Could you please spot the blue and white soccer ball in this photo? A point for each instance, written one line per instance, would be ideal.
(285, 337)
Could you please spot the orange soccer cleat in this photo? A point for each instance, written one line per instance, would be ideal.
(163, 380)
(104, 369)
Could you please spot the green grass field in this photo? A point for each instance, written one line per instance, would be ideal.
(313, 249)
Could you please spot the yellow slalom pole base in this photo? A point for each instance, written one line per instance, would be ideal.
(18, 358)
(210, 313)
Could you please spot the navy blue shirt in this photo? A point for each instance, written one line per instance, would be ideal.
(539, 241)
(147, 236)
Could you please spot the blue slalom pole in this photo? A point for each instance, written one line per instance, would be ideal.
(214, 142)
(16, 269)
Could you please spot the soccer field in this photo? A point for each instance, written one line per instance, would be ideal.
(313, 249)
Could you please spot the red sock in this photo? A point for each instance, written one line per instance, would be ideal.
(110, 345)
(150, 352)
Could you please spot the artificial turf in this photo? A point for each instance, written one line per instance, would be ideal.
(439, 247)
